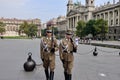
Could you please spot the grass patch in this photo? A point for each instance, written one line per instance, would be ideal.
(16, 37)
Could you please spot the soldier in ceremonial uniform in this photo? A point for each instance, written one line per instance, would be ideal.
(66, 49)
(48, 47)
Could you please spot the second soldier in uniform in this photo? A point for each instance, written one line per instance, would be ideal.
(48, 47)
(66, 49)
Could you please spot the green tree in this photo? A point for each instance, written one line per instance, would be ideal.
(2, 27)
(55, 29)
(91, 28)
(80, 28)
(43, 32)
(102, 28)
(24, 28)
(32, 30)
(29, 29)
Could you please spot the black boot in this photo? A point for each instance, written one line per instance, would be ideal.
(51, 75)
(47, 74)
(69, 76)
(65, 74)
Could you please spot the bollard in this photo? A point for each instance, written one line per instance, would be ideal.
(119, 53)
(30, 64)
(95, 53)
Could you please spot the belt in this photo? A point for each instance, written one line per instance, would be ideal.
(68, 51)
(48, 51)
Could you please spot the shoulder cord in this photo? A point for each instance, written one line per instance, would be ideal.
(64, 47)
(44, 46)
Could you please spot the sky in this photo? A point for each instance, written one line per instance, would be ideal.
(41, 9)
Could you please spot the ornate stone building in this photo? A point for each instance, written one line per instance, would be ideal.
(62, 25)
(109, 12)
(52, 23)
(13, 25)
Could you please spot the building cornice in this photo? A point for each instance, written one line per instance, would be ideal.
(106, 8)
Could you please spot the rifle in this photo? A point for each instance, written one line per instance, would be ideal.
(52, 42)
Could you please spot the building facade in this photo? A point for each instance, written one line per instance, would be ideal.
(12, 26)
(111, 13)
(62, 25)
(108, 11)
(52, 23)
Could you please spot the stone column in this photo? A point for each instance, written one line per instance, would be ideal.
(69, 22)
(119, 15)
(108, 19)
(104, 15)
(72, 23)
(8, 28)
(94, 17)
(113, 18)
(76, 20)
(99, 16)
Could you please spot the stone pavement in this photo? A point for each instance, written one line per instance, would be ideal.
(13, 54)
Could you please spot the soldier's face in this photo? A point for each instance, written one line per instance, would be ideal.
(68, 35)
(49, 34)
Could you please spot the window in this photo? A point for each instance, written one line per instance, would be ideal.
(116, 12)
(114, 37)
(102, 16)
(87, 2)
(98, 16)
(116, 21)
(111, 22)
(111, 14)
(91, 2)
(109, 37)
(106, 15)
(86, 17)
(115, 31)
(13, 28)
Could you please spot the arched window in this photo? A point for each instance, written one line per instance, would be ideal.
(116, 21)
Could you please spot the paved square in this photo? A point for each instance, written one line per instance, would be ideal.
(13, 54)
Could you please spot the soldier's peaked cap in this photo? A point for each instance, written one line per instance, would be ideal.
(49, 29)
(69, 32)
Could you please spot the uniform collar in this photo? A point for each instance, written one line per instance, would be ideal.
(49, 38)
(67, 39)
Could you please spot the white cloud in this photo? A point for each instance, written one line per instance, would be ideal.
(13, 2)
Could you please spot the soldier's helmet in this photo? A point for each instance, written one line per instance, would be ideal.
(49, 29)
(69, 32)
